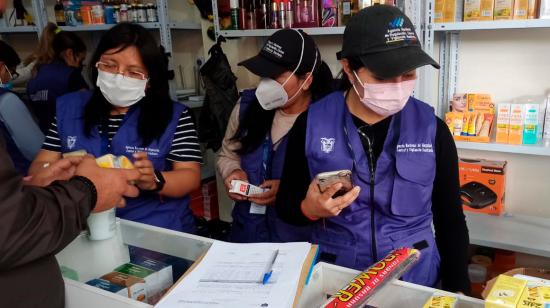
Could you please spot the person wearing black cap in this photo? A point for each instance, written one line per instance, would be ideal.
(402, 157)
(292, 77)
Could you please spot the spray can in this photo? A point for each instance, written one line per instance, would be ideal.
(274, 17)
(289, 14)
(234, 6)
(282, 14)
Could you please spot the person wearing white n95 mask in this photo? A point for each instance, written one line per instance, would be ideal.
(293, 76)
(130, 113)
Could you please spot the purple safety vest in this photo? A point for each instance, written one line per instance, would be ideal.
(148, 208)
(394, 212)
(251, 228)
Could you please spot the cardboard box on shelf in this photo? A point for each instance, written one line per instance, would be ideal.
(449, 10)
(515, 135)
(155, 284)
(475, 10)
(544, 11)
(533, 12)
(478, 102)
(521, 9)
(503, 123)
(504, 9)
(533, 272)
(482, 185)
(108, 286)
(505, 292)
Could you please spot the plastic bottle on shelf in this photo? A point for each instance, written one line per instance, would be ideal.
(251, 15)
(274, 22)
(124, 14)
(151, 12)
(142, 13)
(242, 15)
(261, 14)
(234, 7)
(134, 12)
(98, 15)
(116, 13)
(86, 13)
(289, 13)
(59, 13)
(109, 12)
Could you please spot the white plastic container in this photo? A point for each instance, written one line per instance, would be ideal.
(102, 225)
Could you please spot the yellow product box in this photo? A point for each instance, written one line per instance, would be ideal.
(439, 8)
(111, 161)
(533, 12)
(504, 9)
(478, 10)
(440, 301)
(503, 123)
(521, 9)
(515, 134)
(453, 10)
(480, 103)
(535, 296)
(505, 293)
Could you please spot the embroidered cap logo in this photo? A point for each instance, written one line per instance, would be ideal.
(396, 23)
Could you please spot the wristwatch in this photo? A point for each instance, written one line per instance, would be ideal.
(159, 180)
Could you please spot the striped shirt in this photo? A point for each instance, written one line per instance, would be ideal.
(185, 144)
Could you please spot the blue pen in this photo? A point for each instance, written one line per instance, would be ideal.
(269, 269)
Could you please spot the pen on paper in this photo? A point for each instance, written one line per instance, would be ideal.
(269, 270)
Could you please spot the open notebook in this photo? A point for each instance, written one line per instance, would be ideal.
(230, 275)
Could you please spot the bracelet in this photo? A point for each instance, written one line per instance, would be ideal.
(91, 187)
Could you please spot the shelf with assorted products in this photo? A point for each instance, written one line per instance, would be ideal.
(492, 25)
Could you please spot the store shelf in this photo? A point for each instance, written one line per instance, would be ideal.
(20, 29)
(86, 28)
(505, 148)
(525, 234)
(269, 32)
(186, 25)
(492, 25)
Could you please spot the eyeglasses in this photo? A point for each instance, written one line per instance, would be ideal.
(13, 75)
(113, 69)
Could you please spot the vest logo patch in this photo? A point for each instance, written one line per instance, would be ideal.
(327, 145)
(71, 141)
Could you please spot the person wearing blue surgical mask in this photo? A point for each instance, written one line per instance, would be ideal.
(293, 76)
(130, 113)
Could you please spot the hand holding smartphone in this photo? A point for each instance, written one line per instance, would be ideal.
(326, 179)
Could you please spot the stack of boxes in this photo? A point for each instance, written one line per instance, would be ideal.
(488, 10)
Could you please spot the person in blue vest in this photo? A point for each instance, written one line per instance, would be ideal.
(56, 72)
(130, 113)
(21, 133)
(402, 157)
(253, 150)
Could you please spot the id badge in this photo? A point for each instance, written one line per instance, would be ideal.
(257, 209)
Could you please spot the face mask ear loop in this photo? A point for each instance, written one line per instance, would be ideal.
(301, 57)
(310, 74)
(353, 85)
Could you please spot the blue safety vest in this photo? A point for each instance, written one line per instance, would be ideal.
(393, 209)
(148, 208)
(262, 164)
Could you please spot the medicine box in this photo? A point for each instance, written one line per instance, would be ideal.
(506, 292)
(504, 9)
(108, 286)
(136, 286)
(162, 270)
(482, 185)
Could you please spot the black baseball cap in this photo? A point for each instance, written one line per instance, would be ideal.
(383, 38)
(281, 52)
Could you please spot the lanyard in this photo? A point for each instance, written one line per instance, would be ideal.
(267, 158)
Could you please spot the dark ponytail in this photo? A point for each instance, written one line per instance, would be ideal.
(256, 123)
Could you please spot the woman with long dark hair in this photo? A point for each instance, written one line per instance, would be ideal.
(130, 113)
(57, 71)
(293, 76)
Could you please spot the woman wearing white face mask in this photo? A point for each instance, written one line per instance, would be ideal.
(402, 157)
(293, 75)
(130, 113)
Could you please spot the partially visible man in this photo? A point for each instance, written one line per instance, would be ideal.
(40, 215)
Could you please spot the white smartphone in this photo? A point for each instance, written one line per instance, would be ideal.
(327, 179)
